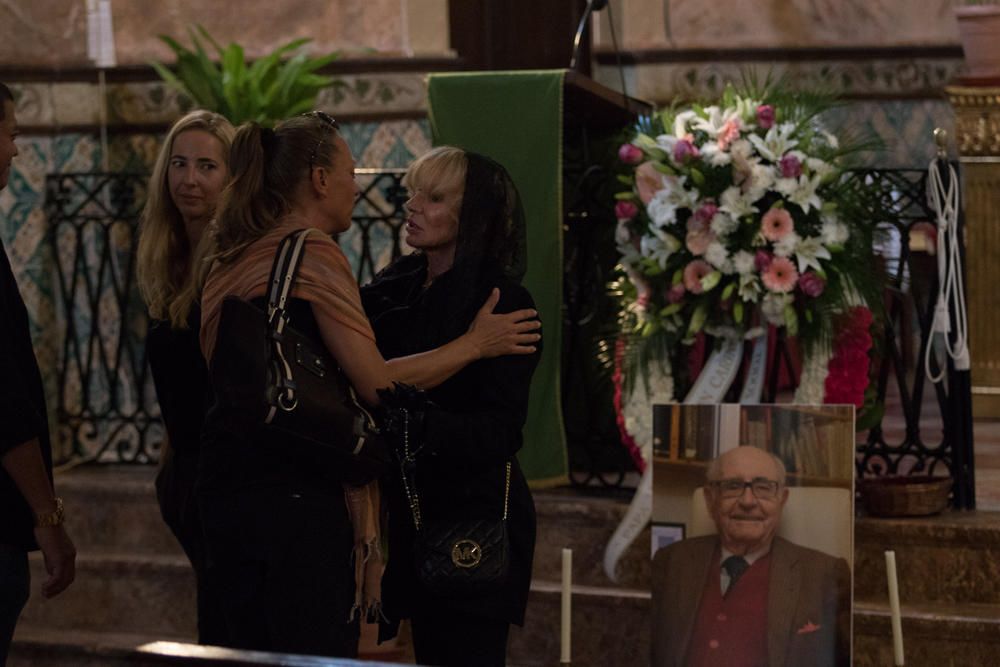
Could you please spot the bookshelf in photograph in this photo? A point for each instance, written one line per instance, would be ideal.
(816, 443)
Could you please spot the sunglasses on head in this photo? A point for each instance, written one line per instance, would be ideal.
(327, 119)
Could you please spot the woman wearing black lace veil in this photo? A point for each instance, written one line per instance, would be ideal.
(466, 223)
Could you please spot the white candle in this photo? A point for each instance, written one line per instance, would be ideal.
(897, 621)
(567, 582)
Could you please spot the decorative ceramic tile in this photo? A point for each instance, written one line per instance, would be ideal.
(661, 83)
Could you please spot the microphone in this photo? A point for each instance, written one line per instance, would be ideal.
(596, 6)
(592, 6)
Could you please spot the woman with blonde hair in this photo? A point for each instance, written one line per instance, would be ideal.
(466, 225)
(190, 173)
(278, 528)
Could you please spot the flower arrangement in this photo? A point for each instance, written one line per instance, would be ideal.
(735, 217)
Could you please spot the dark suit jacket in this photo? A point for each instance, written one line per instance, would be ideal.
(807, 588)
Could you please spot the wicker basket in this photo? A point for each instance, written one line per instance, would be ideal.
(905, 496)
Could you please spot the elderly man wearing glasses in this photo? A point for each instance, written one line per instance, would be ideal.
(745, 597)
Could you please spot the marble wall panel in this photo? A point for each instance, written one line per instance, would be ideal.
(54, 32)
(645, 24)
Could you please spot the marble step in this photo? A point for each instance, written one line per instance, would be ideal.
(44, 648)
(114, 507)
(950, 558)
(610, 626)
(147, 594)
(965, 635)
(585, 524)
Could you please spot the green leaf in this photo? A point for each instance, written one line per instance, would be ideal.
(728, 291)
(870, 417)
(791, 321)
(678, 277)
(697, 319)
(671, 309)
(625, 195)
(697, 177)
(625, 179)
(709, 282)
(738, 312)
(645, 143)
(664, 168)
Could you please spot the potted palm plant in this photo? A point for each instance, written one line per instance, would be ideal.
(979, 29)
(268, 90)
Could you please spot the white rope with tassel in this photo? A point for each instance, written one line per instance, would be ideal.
(944, 201)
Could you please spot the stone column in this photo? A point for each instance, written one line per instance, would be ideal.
(977, 116)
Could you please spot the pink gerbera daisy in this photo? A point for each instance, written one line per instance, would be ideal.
(776, 224)
(781, 275)
(694, 272)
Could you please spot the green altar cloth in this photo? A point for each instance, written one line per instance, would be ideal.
(516, 119)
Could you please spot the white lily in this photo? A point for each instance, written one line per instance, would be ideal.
(659, 246)
(776, 142)
(805, 193)
(749, 288)
(736, 203)
(808, 252)
(681, 123)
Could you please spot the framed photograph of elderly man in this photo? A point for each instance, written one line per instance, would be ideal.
(765, 497)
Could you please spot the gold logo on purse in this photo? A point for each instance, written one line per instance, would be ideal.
(466, 554)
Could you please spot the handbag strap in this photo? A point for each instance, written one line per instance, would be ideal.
(408, 463)
(287, 260)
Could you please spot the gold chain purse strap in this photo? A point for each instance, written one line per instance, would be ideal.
(411, 493)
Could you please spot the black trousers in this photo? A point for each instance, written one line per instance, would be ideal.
(15, 584)
(281, 563)
(447, 639)
(179, 508)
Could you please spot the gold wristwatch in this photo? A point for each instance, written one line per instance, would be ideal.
(54, 518)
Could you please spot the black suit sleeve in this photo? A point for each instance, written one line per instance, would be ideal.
(490, 433)
(20, 421)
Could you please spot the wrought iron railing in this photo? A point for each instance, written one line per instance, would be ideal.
(106, 409)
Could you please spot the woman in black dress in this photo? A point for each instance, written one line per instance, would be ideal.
(466, 224)
(190, 173)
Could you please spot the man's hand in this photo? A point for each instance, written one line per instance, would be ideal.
(60, 558)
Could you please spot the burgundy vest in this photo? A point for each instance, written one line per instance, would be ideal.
(732, 631)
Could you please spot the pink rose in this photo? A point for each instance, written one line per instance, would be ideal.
(776, 224)
(811, 284)
(647, 181)
(765, 116)
(693, 273)
(762, 260)
(698, 240)
(704, 213)
(790, 167)
(625, 210)
(676, 293)
(630, 154)
(684, 150)
(780, 276)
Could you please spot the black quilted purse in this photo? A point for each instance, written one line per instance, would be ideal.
(456, 558)
(268, 374)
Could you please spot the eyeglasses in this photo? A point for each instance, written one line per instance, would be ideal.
(761, 487)
(331, 122)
